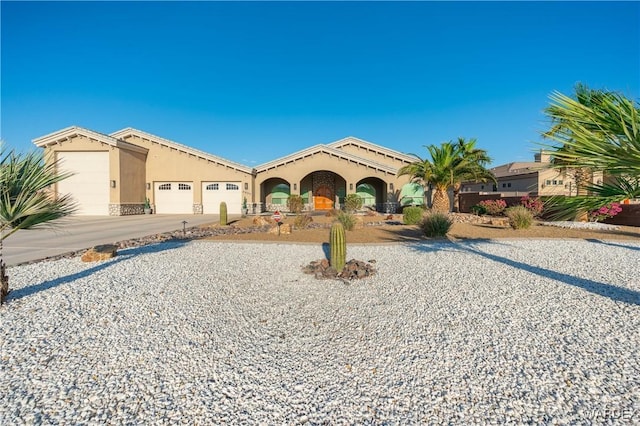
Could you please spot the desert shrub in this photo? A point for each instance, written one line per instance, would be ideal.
(534, 205)
(412, 215)
(494, 207)
(332, 213)
(352, 202)
(348, 220)
(478, 210)
(302, 221)
(295, 203)
(520, 217)
(436, 224)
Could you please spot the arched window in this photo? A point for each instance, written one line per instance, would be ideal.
(165, 187)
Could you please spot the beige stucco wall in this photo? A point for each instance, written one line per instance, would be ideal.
(169, 164)
(294, 172)
(132, 177)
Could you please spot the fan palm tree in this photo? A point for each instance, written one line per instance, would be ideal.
(450, 165)
(597, 131)
(472, 167)
(26, 201)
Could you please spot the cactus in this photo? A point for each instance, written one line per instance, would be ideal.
(337, 247)
(223, 213)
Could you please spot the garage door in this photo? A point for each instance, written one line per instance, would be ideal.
(89, 184)
(213, 193)
(174, 197)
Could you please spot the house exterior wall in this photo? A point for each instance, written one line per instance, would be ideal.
(295, 171)
(167, 164)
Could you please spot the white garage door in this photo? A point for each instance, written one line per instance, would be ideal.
(89, 184)
(174, 197)
(213, 193)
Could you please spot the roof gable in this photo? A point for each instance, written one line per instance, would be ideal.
(326, 149)
(129, 131)
(351, 140)
(72, 131)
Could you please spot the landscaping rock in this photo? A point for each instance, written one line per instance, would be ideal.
(260, 221)
(98, 253)
(353, 269)
(285, 228)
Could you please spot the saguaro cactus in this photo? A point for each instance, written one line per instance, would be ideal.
(337, 247)
(223, 213)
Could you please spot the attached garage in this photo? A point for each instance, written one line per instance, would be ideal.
(213, 193)
(89, 184)
(174, 197)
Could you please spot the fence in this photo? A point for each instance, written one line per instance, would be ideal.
(629, 216)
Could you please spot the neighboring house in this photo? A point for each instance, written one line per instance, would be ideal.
(113, 174)
(534, 178)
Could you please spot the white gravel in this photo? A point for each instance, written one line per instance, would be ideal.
(207, 333)
(581, 225)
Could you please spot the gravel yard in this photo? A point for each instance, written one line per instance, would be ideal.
(198, 332)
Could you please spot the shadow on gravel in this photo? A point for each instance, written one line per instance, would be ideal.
(613, 292)
(126, 254)
(607, 243)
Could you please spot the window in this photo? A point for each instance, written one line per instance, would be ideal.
(548, 182)
(559, 182)
(165, 187)
(555, 182)
(232, 187)
(482, 187)
(509, 185)
(184, 187)
(212, 187)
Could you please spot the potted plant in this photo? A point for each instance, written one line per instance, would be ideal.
(245, 209)
(147, 206)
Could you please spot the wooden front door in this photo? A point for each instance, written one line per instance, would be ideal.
(323, 198)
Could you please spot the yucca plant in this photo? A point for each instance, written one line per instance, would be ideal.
(436, 224)
(520, 217)
(597, 131)
(26, 199)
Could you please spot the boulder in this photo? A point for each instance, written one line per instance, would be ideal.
(260, 221)
(98, 253)
(285, 228)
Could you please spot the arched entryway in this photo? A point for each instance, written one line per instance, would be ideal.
(323, 190)
(372, 192)
(276, 192)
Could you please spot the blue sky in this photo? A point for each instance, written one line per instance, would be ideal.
(254, 81)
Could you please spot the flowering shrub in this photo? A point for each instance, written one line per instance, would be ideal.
(493, 207)
(534, 205)
(608, 210)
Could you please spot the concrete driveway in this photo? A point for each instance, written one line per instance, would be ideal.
(81, 232)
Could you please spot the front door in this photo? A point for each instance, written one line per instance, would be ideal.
(323, 198)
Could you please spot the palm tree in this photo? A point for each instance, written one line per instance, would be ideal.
(26, 201)
(473, 163)
(450, 165)
(597, 131)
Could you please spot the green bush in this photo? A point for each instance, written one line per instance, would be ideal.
(412, 215)
(352, 202)
(436, 224)
(348, 220)
(302, 221)
(295, 203)
(519, 217)
(478, 210)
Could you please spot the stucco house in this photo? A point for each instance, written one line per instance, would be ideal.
(534, 178)
(113, 175)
